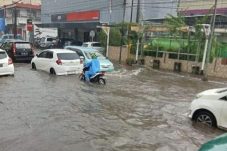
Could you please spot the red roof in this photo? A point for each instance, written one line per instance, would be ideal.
(32, 6)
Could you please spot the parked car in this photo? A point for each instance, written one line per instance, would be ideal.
(47, 42)
(6, 64)
(210, 108)
(68, 41)
(105, 63)
(18, 50)
(217, 144)
(58, 61)
(9, 36)
(94, 45)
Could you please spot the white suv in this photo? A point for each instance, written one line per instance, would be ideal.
(210, 108)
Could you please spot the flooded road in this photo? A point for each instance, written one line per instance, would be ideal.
(137, 110)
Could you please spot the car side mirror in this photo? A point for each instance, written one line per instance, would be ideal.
(37, 55)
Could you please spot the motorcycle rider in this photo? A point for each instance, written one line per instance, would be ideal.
(93, 67)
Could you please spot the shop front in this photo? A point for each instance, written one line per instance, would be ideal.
(76, 25)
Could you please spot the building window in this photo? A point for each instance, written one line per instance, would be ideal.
(23, 13)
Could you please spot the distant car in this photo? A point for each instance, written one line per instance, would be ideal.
(18, 50)
(210, 108)
(69, 41)
(94, 45)
(6, 64)
(217, 144)
(47, 42)
(58, 61)
(106, 65)
(9, 36)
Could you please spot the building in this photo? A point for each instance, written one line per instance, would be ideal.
(24, 11)
(200, 8)
(75, 19)
(7, 2)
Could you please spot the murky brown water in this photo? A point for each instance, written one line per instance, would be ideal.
(136, 111)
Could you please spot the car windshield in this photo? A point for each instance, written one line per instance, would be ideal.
(85, 45)
(68, 56)
(18, 37)
(99, 55)
(2, 55)
(23, 46)
(11, 37)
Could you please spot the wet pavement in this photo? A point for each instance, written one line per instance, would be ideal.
(137, 110)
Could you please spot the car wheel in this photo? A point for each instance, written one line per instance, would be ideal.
(102, 81)
(52, 71)
(33, 66)
(206, 118)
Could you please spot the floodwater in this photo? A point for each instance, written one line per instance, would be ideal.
(137, 110)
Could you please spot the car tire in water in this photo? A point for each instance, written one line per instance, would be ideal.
(33, 66)
(52, 71)
(102, 81)
(206, 118)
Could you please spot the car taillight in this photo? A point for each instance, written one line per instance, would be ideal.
(10, 61)
(59, 62)
(14, 49)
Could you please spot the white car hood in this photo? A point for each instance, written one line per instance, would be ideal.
(211, 92)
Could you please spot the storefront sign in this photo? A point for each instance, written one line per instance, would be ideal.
(76, 16)
(83, 16)
(30, 27)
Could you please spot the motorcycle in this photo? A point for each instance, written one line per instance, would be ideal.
(97, 78)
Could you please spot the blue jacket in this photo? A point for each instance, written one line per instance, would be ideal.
(94, 66)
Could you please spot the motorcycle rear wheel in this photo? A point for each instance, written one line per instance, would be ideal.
(102, 81)
(82, 77)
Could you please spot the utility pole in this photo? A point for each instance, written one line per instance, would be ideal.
(107, 31)
(178, 6)
(205, 77)
(15, 18)
(15, 22)
(138, 12)
(132, 7)
(122, 28)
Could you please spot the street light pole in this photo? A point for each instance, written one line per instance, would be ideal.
(206, 30)
(205, 77)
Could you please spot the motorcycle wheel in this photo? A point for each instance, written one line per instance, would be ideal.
(82, 77)
(102, 81)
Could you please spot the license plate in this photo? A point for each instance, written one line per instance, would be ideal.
(24, 53)
(1, 65)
